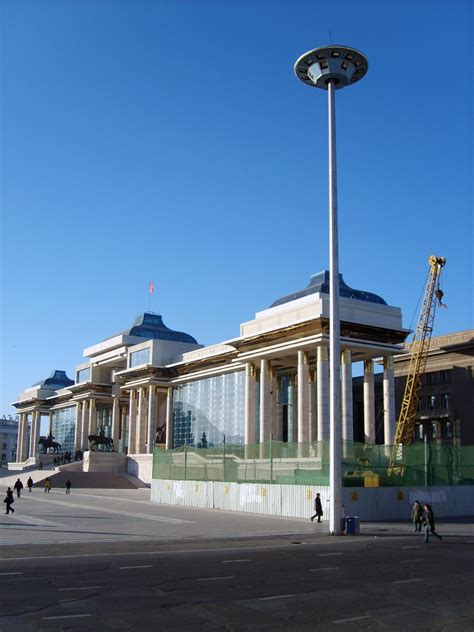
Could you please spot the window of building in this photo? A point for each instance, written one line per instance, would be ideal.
(63, 424)
(140, 357)
(432, 402)
(448, 430)
(206, 410)
(4, 446)
(84, 375)
(444, 377)
(430, 378)
(4, 457)
(446, 401)
(434, 430)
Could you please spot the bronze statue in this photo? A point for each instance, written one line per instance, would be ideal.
(101, 439)
(160, 436)
(47, 442)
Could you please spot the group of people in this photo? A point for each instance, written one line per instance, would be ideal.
(63, 459)
(18, 487)
(423, 516)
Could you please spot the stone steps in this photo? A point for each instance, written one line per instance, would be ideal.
(91, 480)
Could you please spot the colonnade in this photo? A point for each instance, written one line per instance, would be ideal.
(27, 449)
(312, 400)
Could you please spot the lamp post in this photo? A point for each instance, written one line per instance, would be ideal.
(332, 68)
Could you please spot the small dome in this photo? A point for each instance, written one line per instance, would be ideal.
(151, 326)
(57, 379)
(319, 283)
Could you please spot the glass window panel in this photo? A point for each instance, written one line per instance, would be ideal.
(140, 357)
(63, 424)
(83, 375)
(206, 410)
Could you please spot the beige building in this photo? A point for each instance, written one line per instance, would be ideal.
(150, 383)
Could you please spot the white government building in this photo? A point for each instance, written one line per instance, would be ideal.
(270, 381)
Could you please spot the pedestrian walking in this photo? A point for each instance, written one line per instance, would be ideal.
(40, 466)
(417, 515)
(429, 523)
(47, 485)
(318, 508)
(9, 500)
(29, 484)
(68, 486)
(18, 486)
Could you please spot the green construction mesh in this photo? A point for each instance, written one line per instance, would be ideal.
(308, 464)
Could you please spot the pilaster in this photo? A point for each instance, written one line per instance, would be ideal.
(389, 421)
(369, 402)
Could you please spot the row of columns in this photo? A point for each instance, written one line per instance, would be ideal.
(145, 402)
(25, 449)
(314, 425)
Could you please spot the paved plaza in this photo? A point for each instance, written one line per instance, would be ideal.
(111, 560)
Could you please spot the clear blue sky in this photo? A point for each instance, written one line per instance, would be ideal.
(171, 141)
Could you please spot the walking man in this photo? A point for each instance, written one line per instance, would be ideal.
(18, 486)
(68, 486)
(318, 508)
(429, 523)
(47, 485)
(9, 500)
(417, 515)
(29, 484)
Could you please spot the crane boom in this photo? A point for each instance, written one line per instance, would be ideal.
(418, 356)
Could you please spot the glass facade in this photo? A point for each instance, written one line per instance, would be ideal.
(104, 420)
(83, 375)
(140, 357)
(63, 424)
(206, 410)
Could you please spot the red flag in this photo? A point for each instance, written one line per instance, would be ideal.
(152, 287)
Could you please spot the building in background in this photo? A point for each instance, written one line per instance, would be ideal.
(8, 439)
(446, 406)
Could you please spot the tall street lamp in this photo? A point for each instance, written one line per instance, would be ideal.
(332, 68)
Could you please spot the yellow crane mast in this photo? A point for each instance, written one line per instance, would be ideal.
(419, 348)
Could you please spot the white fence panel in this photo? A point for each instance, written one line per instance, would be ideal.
(298, 500)
(259, 498)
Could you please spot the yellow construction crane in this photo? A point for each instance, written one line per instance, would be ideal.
(405, 431)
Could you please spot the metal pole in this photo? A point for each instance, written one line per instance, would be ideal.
(271, 458)
(335, 434)
(185, 462)
(223, 459)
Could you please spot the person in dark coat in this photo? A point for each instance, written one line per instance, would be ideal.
(429, 523)
(318, 508)
(9, 500)
(417, 515)
(18, 486)
(29, 484)
(68, 486)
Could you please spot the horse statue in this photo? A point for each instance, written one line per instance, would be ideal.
(100, 439)
(47, 442)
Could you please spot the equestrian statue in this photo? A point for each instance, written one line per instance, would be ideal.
(47, 442)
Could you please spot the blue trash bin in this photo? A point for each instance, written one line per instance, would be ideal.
(352, 525)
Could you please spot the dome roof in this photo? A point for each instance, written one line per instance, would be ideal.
(151, 326)
(319, 283)
(57, 379)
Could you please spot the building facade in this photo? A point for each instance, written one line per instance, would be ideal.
(150, 384)
(8, 439)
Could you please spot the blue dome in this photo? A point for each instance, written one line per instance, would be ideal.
(57, 379)
(151, 326)
(319, 283)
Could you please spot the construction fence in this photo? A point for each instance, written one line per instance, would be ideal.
(277, 462)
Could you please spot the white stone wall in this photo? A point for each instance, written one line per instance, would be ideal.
(384, 503)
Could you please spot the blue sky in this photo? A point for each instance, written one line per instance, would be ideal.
(171, 142)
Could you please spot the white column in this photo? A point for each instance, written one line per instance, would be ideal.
(85, 425)
(31, 451)
(169, 419)
(264, 400)
(346, 385)
(323, 393)
(369, 402)
(92, 417)
(388, 400)
(132, 422)
(78, 428)
(19, 440)
(116, 420)
(279, 413)
(303, 397)
(141, 421)
(313, 411)
(250, 419)
(25, 446)
(151, 429)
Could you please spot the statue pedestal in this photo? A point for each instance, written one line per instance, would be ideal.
(115, 462)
